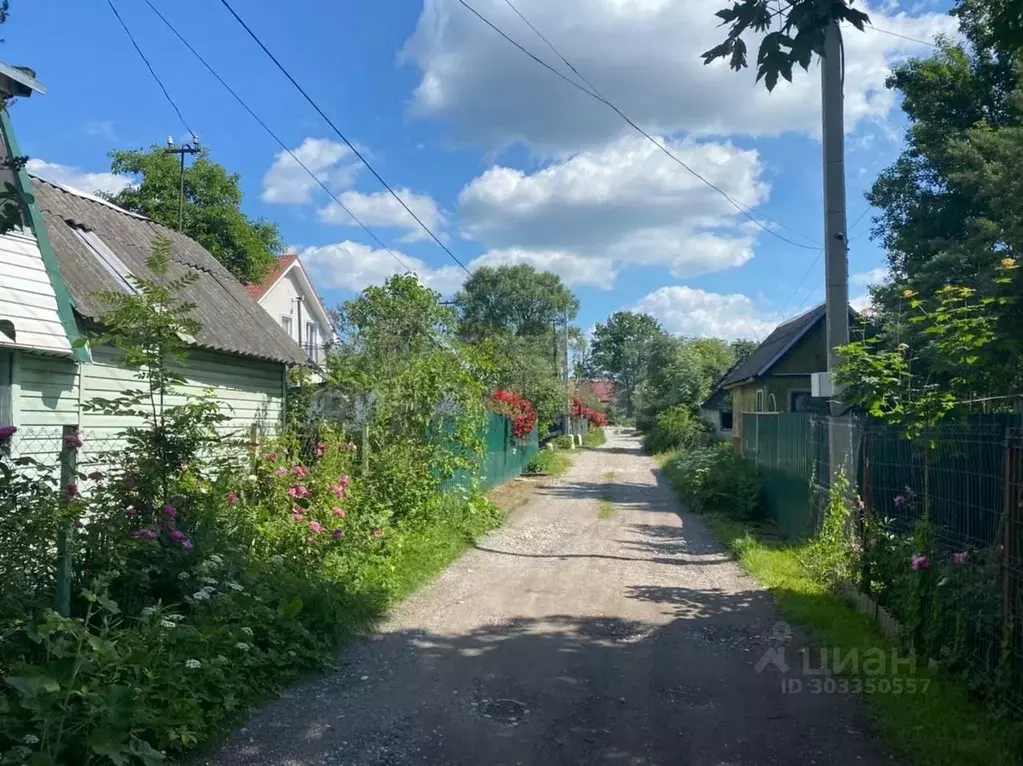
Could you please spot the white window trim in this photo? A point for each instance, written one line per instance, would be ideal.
(761, 399)
(287, 324)
(106, 258)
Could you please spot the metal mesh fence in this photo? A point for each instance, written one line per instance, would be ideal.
(941, 526)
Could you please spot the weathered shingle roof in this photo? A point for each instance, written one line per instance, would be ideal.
(774, 344)
(231, 320)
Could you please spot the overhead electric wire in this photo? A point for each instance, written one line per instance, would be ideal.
(275, 137)
(594, 95)
(342, 136)
(149, 66)
(903, 37)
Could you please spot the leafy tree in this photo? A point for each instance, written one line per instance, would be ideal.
(800, 34)
(527, 365)
(681, 372)
(621, 348)
(213, 215)
(743, 347)
(513, 299)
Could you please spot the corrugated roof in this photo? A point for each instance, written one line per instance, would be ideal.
(258, 290)
(774, 344)
(231, 320)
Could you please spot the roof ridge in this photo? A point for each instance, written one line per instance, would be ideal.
(74, 191)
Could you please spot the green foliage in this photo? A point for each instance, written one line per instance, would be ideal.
(526, 365)
(564, 442)
(716, 480)
(681, 372)
(213, 215)
(620, 350)
(829, 558)
(800, 34)
(514, 300)
(676, 429)
(595, 438)
(549, 462)
(205, 579)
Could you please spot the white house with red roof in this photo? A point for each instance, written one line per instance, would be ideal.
(287, 295)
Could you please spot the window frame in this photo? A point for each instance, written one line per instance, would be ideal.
(288, 325)
(761, 400)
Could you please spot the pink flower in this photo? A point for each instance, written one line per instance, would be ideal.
(170, 511)
(232, 498)
(145, 534)
(186, 545)
(72, 441)
(129, 482)
(343, 481)
(302, 490)
(301, 470)
(900, 501)
(920, 563)
(292, 491)
(272, 458)
(316, 527)
(321, 449)
(378, 533)
(339, 492)
(298, 516)
(959, 558)
(339, 513)
(130, 512)
(96, 475)
(6, 432)
(178, 536)
(72, 492)
(338, 534)
(282, 471)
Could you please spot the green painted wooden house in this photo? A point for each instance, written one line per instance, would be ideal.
(776, 376)
(73, 245)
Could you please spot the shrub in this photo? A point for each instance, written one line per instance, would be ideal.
(595, 438)
(676, 429)
(715, 479)
(550, 462)
(830, 557)
(563, 442)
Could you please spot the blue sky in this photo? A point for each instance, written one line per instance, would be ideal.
(504, 161)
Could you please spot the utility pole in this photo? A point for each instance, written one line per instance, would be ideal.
(568, 395)
(192, 148)
(836, 257)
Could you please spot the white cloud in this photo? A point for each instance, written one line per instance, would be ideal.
(381, 209)
(101, 128)
(626, 203)
(287, 182)
(644, 55)
(688, 311)
(861, 302)
(66, 175)
(353, 266)
(574, 270)
(872, 277)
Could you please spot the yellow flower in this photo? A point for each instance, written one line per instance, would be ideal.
(907, 293)
(1008, 263)
(903, 348)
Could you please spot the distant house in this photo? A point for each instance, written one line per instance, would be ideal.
(776, 376)
(288, 296)
(717, 411)
(604, 391)
(73, 245)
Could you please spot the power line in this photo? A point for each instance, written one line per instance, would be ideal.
(149, 66)
(901, 36)
(341, 135)
(861, 217)
(596, 96)
(275, 137)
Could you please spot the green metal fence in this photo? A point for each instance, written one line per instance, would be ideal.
(782, 448)
(506, 456)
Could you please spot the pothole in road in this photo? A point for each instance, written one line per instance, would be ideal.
(503, 710)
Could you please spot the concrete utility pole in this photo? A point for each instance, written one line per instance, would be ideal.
(836, 257)
(568, 395)
(192, 148)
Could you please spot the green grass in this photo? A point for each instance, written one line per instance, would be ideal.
(606, 508)
(595, 438)
(551, 463)
(940, 727)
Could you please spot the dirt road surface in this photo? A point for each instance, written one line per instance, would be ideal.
(567, 638)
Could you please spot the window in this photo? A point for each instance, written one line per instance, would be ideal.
(800, 401)
(760, 400)
(312, 342)
(106, 258)
(286, 324)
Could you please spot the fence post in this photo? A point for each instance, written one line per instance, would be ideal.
(365, 446)
(65, 535)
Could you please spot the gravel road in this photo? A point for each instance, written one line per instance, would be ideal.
(567, 638)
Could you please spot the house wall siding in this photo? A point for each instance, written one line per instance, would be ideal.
(51, 388)
(282, 300)
(27, 298)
